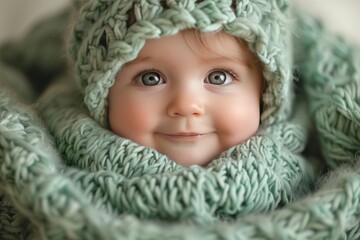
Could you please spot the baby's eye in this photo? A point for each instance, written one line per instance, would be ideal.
(219, 77)
(150, 79)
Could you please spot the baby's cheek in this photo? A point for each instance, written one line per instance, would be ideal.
(237, 125)
(126, 119)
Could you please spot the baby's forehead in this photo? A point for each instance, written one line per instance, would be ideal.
(206, 46)
(209, 45)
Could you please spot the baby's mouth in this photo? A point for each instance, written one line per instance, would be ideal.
(184, 136)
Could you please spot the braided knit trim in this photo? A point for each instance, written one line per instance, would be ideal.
(102, 41)
(14, 89)
(256, 176)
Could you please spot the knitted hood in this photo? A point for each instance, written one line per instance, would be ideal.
(105, 37)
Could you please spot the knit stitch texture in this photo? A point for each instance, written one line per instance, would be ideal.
(63, 176)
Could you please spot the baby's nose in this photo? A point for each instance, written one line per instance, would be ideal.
(186, 103)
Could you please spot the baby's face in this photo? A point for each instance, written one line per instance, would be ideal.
(185, 101)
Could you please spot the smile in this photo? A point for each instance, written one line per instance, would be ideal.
(187, 137)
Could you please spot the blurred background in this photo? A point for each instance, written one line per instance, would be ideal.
(16, 16)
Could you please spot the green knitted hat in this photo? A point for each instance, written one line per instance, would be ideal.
(104, 39)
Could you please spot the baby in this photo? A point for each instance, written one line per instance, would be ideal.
(190, 96)
(190, 79)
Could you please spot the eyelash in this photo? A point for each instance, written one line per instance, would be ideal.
(228, 70)
(225, 69)
(142, 72)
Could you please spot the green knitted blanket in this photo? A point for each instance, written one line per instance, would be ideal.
(62, 176)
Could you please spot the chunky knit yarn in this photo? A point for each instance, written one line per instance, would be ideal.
(256, 176)
(332, 87)
(63, 176)
(44, 200)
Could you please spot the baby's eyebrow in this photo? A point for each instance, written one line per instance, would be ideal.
(243, 61)
(239, 59)
(138, 60)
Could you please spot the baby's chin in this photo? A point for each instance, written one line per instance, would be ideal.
(187, 159)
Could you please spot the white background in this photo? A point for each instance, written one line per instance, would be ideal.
(16, 16)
